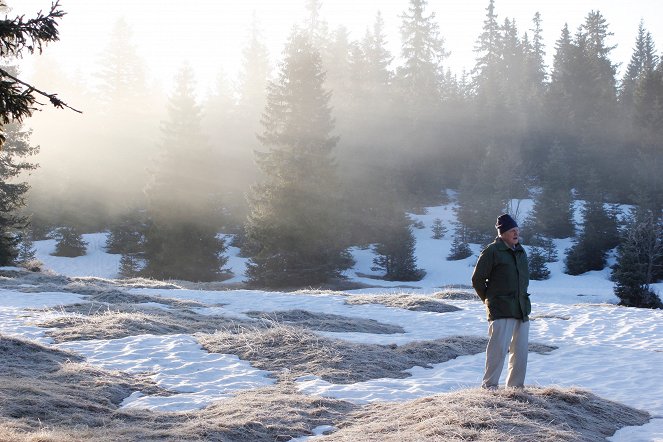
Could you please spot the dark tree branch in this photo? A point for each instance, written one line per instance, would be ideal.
(19, 34)
(55, 101)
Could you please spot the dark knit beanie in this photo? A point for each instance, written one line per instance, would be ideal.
(505, 223)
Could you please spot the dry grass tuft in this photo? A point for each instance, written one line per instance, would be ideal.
(115, 324)
(547, 316)
(294, 351)
(74, 402)
(407, 302)
(68, 392)
(457, 295)
(505, 415)
(327, 322)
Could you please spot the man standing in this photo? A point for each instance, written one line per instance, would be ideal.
(500, 279)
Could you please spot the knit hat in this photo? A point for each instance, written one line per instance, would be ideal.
(505, 223)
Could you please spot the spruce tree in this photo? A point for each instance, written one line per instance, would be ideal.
(14, 164)
(20, 36)
(294, 228)
(639, 259)
(536, 260)
(552, 214)
(599, 235)
(126, 235)
(181, 237)
(486, 78)
(420, 77)
(396, 250)
(439, 229)
(543, 243)
(122, 83)
(26, 250)
(643, 61)
(460, 249)
(69, 242)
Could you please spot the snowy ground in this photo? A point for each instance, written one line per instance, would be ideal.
(613, 351)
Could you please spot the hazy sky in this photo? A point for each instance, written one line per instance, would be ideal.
(210, 33)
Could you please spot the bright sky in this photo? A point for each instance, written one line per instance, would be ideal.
(211, 33)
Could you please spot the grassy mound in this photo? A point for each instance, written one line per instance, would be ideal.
(327, 322)
(407, 302)
(549, 414)
(297, 352)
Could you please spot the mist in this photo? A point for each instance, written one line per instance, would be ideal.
(405, 122)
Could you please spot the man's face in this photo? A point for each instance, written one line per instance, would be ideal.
(510, 237)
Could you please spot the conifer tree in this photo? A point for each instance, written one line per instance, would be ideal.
(130, 265)
(420, 77)
(439, 229)
(639, 259)
(181, 237)
(643, 61)
(562, 83)
(127, 234)
(460, 249)
(254, 75)
(26, 249)
(20, 36)
(69, 242)
(536, 260)
(486, 78)
(294, 227)
(552, 214)
(14, 164)
(377, 59)
(599, 235)
(648, 110)
(543, 243)
(396, 250)
(233, 125)
(124, 95)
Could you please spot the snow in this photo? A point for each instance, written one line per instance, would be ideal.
(613, 351)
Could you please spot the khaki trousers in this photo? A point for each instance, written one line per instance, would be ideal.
(506, 336)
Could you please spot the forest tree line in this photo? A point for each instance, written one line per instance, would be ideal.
(333, 147)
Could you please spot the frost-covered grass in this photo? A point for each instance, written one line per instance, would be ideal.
(392, 361)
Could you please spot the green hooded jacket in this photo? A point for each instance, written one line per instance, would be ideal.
(501, 278)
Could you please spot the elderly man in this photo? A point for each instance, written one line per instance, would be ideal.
(500, 279)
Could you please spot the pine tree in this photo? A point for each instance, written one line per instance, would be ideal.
(124, 96)
(254, 75)
(377, 59)
(488, 191)
(639, 258)
(13, 164)
(234, 123)
(26, 251)
(643, 61)
(396, 251)
(562, 83)
(599, 235)
(439, 230)
(552, 214)
(69, 242)
(294, 227)
(460, 249)
(486, 78)
(181, 238)
(19, 36)
(648, 109)
(420, 77)
(130, 266)
(538, 271)
(127, 235)
(543, 243)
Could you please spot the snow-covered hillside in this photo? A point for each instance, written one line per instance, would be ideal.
(613, 351)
